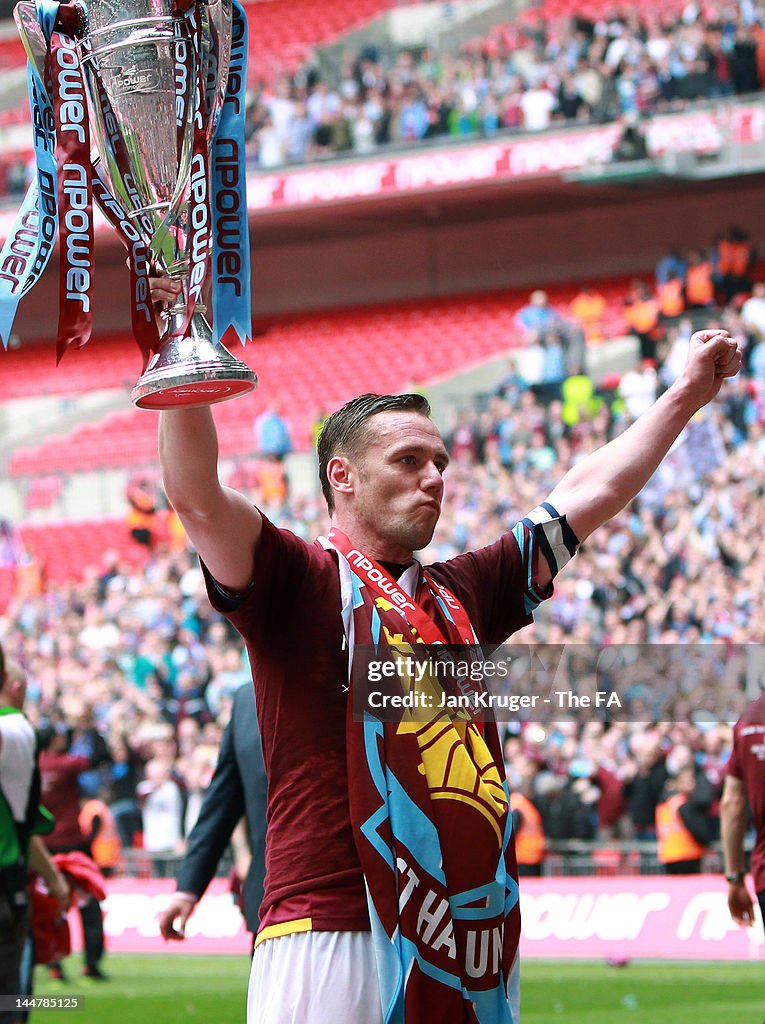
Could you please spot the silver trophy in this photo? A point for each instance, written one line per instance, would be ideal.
(152, 82)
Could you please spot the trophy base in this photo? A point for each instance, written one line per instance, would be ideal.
(192, 371)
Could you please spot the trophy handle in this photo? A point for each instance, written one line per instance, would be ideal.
(31, 35)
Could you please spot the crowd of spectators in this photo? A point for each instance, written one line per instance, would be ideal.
(142, 662)
(135, 672)
(535, 74)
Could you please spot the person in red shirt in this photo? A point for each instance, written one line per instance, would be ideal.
(744, 790)
(59, 771)
(303, 610)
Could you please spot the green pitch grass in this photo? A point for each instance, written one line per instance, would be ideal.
(211, 990)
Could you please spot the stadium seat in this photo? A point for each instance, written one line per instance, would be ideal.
(304, 364)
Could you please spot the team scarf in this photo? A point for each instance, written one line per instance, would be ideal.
(429, 806)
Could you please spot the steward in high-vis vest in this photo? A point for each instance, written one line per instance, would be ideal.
(699, 286)
(671, 296)
(735, 257)
(100, 829)
(529, 835)
(682, 827)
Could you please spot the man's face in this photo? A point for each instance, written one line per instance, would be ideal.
(398, 484)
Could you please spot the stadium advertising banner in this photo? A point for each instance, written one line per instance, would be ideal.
(674, 918)
(502, 160)
(610, 918)
(702, 132)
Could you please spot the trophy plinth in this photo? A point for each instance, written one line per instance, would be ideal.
(191, 370)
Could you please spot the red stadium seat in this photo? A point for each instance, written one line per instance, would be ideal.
(308, 363)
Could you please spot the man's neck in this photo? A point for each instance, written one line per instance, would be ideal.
(373, 546)
(394, 569)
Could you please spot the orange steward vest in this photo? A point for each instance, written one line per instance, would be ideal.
(642, 316)
(699, 290)
(675, 842)
(734, 258)
(671, 300)
(530, 837)
(106, 847)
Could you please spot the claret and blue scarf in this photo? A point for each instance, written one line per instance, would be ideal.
(430, 809)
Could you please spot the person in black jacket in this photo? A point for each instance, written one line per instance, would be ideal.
(237, 788)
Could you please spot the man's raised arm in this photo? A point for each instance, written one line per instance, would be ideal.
(600, 486)
(221, 523)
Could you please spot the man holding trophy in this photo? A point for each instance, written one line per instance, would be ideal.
(391, 887)
(391, 890)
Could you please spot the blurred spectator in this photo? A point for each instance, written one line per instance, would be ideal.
(162, 812)
(538, 316)
(682, 824)
(100, 831)
(124, 774)
(638, 388)
(537, 106)
(272, 149)
(59, 772)
(671, 299)
(588, 308)
(753, 311)
(641, 312)
(272, 435)
(86, 741)
(553, 368)
(16, 178)
(141, 495)
(734, 259)
(527, 825)
(672, 263)
(645, 787)
(11, 547)
(632, 143)
(567, 805)
(699, 286)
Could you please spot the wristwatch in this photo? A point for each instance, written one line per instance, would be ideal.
(737, 878)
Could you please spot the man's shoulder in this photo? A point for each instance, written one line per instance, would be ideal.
(17, 730)
(476, 561)
(283, 535)
(16, 723)
(282, 562)
(753, 714)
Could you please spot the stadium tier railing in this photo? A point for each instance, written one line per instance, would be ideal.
(578, 858)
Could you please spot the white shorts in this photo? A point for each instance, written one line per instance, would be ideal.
(314, 978)
(325, 978)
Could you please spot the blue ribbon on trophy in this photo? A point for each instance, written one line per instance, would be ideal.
(30, 242)
(231, 238)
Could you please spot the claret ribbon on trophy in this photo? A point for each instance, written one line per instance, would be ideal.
(59, 200)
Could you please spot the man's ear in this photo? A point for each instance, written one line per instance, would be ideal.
(340, 474)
